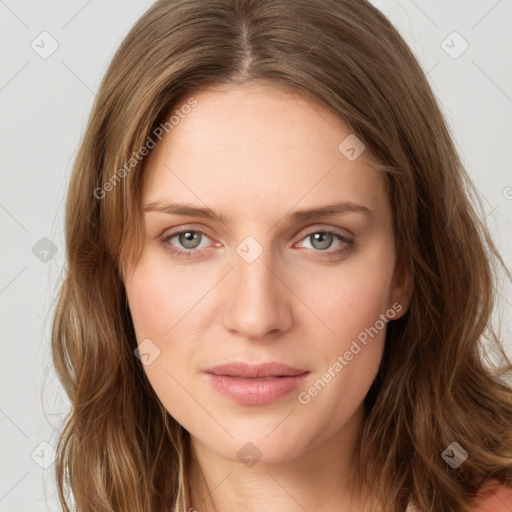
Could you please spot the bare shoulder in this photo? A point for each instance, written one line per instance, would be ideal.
(495, 499)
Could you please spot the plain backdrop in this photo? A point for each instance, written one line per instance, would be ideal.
(53, 56)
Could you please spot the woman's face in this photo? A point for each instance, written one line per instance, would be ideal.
(261, 326)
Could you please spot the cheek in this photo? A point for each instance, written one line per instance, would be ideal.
(350, 310)
(161, 295)
(349, 358)
(351, 297)
(161, 300)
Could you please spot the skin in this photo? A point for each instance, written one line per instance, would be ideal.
(254, 154)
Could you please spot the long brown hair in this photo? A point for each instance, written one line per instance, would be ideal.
(119, 449)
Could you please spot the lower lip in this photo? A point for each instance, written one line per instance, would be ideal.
(255, 391)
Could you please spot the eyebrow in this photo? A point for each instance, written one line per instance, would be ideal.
(295, 217)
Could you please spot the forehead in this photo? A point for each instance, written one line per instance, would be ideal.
(254, 145)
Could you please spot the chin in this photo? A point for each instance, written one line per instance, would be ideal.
(257, 445)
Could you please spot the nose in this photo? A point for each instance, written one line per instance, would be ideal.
(258, 302)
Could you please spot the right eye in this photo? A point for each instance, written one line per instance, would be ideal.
(185, 242)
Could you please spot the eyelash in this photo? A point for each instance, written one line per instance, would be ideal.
(348, 243)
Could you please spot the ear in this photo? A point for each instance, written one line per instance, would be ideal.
(402, 287)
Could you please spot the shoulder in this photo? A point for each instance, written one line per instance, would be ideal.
(497, 498)
(492, 498)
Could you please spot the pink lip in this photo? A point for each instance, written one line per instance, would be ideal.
(255, 384)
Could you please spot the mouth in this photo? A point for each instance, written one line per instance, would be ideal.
(255, 371)
(255, 384)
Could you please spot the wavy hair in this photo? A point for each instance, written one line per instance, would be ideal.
(119, 449)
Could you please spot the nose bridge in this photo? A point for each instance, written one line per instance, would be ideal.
(257, 303)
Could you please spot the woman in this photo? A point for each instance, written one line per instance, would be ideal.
(278, 287)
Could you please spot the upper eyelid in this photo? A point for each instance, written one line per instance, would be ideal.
(309, 229)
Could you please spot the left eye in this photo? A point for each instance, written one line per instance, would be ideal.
(190, 239)
(323, 240)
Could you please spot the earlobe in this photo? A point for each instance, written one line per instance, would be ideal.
(403, 288)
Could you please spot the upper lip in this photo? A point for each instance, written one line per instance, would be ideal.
(247, 370)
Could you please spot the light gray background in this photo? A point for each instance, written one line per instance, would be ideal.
(44, 107)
